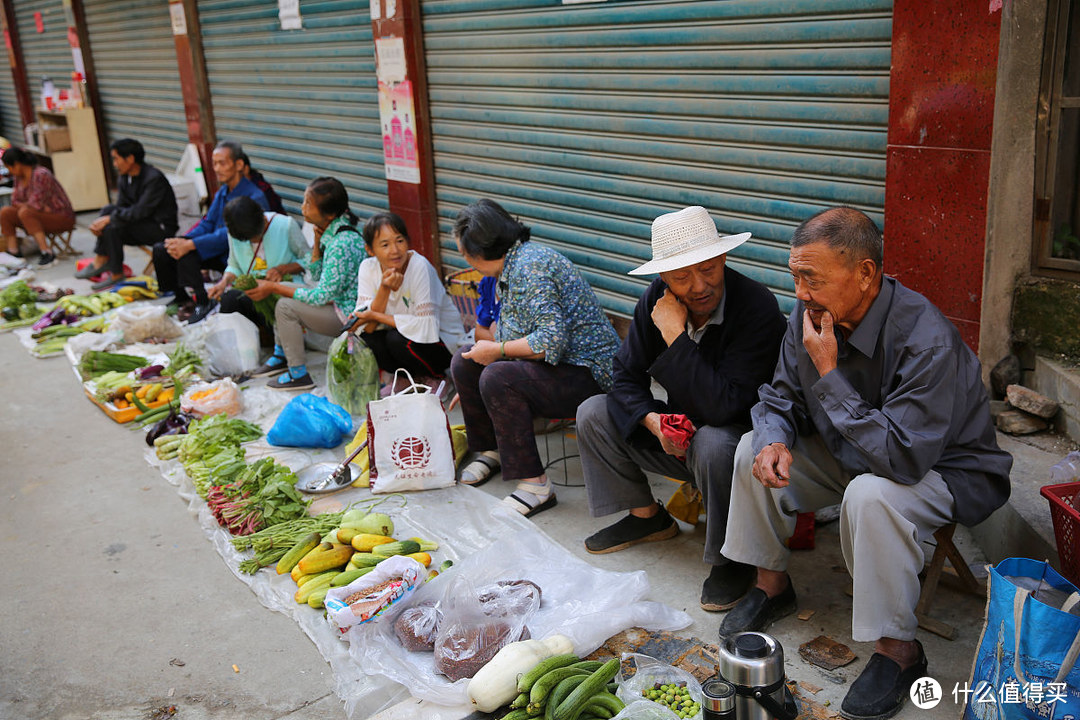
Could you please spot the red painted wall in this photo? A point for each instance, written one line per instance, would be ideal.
(941, 110)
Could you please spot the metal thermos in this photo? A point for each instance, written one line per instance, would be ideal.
(753, 663)
(718, 700)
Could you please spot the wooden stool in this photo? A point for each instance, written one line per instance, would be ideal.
(150, 254)
(60, 243)
(963, 576)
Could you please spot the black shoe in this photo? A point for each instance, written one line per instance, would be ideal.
(200, 313)
(757, 611)
(881, 688)
(89, 271)
(288, 382)
(46, 259)
(632, 530)
(726, 585)
(269, 369)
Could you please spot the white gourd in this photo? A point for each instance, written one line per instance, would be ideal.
(495, 684)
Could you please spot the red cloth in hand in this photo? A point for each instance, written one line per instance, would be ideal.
(678, 429)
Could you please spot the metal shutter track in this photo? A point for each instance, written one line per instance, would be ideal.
(587, 121)
(304, 103)
(137, 76)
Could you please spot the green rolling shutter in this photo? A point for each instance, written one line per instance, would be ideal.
(303, 103)
(46, 54)
(137, 76)
(589, 120)
(11, 126)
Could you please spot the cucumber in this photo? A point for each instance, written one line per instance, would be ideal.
(525, 682)
(343, 579)
(604, 702)
(613, 687)
(590, 666)
(520, 701)
(560, 692)
(518, 714)
(542, 688)
(571, 707)
(316, 598)
(288, 560)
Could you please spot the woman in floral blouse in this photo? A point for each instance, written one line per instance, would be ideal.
(333, 264)
(553, 348)
(38, 204)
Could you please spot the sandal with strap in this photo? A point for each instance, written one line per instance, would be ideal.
(527, 502)
(479, 468)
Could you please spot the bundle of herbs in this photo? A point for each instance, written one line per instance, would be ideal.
(267, 304)
(262, 495)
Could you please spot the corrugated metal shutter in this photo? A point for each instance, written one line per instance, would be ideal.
(10, 121)
(137, 76)
(303, 103)
(590, 120)
(46, 54)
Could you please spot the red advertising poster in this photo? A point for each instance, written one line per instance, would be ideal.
(39, 23)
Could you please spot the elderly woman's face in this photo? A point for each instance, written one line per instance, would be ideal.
(489, 268)
(311, 211)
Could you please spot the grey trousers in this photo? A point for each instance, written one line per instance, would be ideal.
(881, 525)
(615, 481)
(292, 316)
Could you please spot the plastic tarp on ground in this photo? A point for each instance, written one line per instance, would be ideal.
(484, 540)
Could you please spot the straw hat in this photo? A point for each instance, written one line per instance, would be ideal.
(685, 238)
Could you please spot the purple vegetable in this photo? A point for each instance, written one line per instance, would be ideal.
(150, 372)
(174, 424)
(50, 318)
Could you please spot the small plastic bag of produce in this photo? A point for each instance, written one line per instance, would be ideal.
(352, 374)
(478, 621)
(649, 674)
(393, 581)
(220, 396)
(231, 344)
(140, 321)
(310, 421)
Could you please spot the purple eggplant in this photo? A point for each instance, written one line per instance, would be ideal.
(50, 318)
(151, 371)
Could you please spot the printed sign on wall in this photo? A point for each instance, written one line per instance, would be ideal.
(396, 112)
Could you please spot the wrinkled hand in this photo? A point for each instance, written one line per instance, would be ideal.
(772, 466)
(652, 424)
(215, 292)
(100, 224)
(392, 279)
(274, 274)
(821, 346)
(263, 290)
(361, 318)
(179, 247)
(669, 316)
(484, 352)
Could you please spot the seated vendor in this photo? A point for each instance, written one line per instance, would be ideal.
(879, 405)
(39, 205)
(179, 261)
(404, 312)
(333, 265)
(262, 245)
(709, 336)
(553, 348)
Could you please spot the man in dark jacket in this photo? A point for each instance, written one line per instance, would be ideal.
(708, 336)
(144, 213)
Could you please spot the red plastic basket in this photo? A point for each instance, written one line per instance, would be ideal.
(1066, 526)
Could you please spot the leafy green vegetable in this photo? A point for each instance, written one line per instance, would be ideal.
(16, 294)
(267, 304)
(353, 378)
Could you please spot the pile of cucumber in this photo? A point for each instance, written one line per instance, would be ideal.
(565, 687)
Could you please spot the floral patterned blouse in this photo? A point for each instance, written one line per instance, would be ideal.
(546, 300)
(43, 193)
(335, 272)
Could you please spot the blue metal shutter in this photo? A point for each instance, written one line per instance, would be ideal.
(303, 103)
(590, 120)
(46, 54)
(137, 76)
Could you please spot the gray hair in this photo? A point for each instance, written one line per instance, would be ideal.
(235, 151)
(846, 231)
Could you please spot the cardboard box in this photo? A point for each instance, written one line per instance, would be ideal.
(55, 139)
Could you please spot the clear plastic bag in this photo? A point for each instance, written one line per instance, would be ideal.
(220, 396)
(141, 321)
(352, 374)
(649, 672)
(231, 344)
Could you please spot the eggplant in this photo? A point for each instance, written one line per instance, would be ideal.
(174, 424)
(150, 372)
(52, 317)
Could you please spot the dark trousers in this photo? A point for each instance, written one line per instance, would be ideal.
(119, 233)
(236, 301)
(176, 276)
(500, 400)
(393, 350)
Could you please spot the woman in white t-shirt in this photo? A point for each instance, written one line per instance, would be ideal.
(402, 309)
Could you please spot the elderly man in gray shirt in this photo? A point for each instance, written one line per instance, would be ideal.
(876, 403)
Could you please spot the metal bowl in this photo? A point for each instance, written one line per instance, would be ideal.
(312, 478)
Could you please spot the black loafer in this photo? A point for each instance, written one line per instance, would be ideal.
(632, 530)
(726, 585)
(880, 690)
(756, 611)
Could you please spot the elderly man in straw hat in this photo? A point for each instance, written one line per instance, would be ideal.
(709, 337)
(876, 403)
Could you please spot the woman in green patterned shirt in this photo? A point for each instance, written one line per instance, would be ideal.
(333, 264)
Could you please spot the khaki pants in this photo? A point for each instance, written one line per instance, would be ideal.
(882, 524)
(292, 317)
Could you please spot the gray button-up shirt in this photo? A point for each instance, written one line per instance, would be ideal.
(906, 397)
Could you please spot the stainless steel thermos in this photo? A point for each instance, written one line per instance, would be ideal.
(753, 664)
(718, 700)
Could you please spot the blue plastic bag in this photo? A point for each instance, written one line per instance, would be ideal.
(1026, 664)
(310, 421)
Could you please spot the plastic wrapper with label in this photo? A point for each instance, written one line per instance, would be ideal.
(395, 579)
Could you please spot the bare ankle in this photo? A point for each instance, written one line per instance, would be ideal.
(904, 652)
(772, 582)
(645, 512)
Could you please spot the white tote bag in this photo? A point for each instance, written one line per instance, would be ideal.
(409, 441)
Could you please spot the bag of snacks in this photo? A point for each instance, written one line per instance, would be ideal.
(365, 598)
